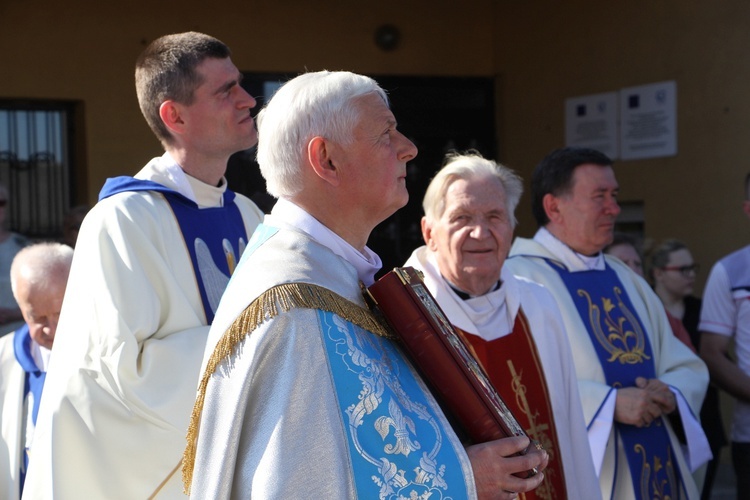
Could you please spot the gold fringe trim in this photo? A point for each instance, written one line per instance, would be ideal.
(277, 300)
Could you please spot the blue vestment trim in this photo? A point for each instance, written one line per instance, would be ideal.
(261, 234)
(124, 183)
(34, 376)
(398, 447)
(215, 237)
(33, 381)
(624, 350)
(22, 349)
(599, 410)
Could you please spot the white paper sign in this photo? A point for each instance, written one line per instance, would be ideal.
(648, 121)
(591, 122)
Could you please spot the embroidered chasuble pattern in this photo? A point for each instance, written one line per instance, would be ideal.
(389, 417)
(215, 239)
(625, 353)
(396, 439)
(513, 365)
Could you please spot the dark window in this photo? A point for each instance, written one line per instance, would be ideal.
(39, 163)
(439, 114)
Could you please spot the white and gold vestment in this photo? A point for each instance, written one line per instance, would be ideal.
(303, 396)
(128, 349)
(674, 363)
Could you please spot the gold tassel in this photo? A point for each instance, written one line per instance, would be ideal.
(274, 301)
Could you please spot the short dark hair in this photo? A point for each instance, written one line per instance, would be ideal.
(166, 70)
(554, 175)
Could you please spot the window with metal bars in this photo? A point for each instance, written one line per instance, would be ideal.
(38, 165)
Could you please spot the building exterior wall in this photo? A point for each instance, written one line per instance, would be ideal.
(547, 51)
(541, 53)
(85, 50)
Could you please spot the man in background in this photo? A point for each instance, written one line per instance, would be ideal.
(725, 319)
(513, 326)
(152, 260)
(38, 276)
(636, 379)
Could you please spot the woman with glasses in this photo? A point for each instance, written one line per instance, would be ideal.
(673, 272)
(628, 249)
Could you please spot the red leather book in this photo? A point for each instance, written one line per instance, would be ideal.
(441, 355)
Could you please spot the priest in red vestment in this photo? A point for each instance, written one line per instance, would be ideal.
(512, 325)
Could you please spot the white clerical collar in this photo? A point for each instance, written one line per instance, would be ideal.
(572, 259)
(466, 295)
(40, 355)
(366, 263)
(489, 316)
(166, 171)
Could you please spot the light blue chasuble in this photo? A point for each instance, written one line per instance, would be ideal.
(625, 353)
(398, 442)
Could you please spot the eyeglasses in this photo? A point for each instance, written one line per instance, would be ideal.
(684, 270)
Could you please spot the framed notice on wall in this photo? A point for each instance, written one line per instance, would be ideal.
(630, 124)
(648, 121)
(591, 122)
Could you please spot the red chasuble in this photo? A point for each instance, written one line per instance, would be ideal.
(514, 368)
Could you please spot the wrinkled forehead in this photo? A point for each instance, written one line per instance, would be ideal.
(473, 190)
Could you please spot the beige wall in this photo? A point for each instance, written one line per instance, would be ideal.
(550, 50)
(86, 50)
(543, 52)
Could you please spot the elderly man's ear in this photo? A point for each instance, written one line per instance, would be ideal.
(746, 207)
(320, 157)
(427, 234)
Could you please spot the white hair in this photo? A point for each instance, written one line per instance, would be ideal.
(468, 166)
(310, 105)
(41, 264)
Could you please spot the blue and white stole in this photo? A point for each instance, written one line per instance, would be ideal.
(32, 389)
(215, 237)
(624, 350)
(400, 445)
